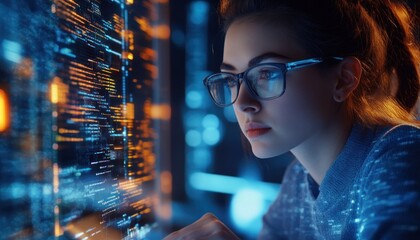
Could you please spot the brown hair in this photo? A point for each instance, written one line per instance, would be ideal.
(377, 32)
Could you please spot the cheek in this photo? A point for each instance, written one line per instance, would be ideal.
(307, 104)
(239, 117)
(310, 94)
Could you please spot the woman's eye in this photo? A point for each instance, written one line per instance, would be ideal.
(267, 74)
(231, 82)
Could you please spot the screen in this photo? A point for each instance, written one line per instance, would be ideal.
(77, 130)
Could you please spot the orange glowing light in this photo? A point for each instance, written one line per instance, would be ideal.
(54, 93)
(24, 69)
(152, 69)
(127, 55)
(148, 54)
(55, 177)
(161, 31)
(58, 91)
(166, 182)
(129, 2)
(165, 211)
(66, 131)
(128, 36)
(144, 25)
(130, 111)
(4, 111)
(57, 228)
(130, 56)
(160, 111)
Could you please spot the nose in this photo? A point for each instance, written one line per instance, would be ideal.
(246, 102)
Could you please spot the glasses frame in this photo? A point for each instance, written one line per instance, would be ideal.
(284, 67)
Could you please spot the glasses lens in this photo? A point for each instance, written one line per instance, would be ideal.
(266, 81)
(223, 88)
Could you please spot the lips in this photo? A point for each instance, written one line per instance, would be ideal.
(254, 129)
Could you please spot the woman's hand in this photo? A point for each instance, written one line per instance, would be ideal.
(207, 227)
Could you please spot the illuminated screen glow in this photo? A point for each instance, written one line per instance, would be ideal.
(77, 156)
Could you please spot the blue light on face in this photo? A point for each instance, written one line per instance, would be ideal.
(229, 114)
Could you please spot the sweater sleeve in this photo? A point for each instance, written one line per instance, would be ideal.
(390, 199)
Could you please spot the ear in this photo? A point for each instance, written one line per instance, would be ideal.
(349, 73)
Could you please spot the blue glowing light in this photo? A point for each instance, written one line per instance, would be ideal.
(193, 119)
(231, 185)
(194, 99)
(211, 136)
(67, 52)
(193, 138)
(211, 133)
(247, 208)
(199, 12)
(211, 121)
(12, 51)
(201, 157)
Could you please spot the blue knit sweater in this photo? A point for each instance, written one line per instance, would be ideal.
(372, 191)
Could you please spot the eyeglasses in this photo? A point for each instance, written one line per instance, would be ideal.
(265, 81)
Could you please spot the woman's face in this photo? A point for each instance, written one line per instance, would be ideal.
(306, 108)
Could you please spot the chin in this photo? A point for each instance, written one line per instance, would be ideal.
(264, 153)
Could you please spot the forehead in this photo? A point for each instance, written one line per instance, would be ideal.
(247, 38)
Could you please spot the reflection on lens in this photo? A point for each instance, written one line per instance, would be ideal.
(266, 81)
(223, 88)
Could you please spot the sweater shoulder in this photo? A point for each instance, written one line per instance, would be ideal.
(400, 132)
(389, 185)
(399, 142)
(394, 154)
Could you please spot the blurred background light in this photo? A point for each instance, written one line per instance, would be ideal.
(199, 12)
(231, 185)
(194, 99)
(4, 111)
(12, 51)
(193, 138)
(201, 158)
(211, 136)
(247, 208)
(211, 121)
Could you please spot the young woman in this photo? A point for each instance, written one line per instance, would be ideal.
(334, 82)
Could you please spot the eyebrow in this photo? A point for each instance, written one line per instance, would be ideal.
(254, 61)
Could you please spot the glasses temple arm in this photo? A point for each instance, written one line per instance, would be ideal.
(307, 62)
